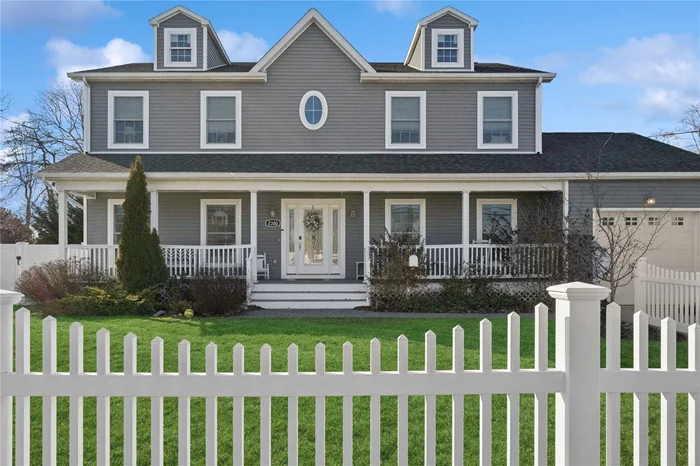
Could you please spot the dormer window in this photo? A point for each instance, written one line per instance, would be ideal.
(448, 48)
(497, 119)
(180, 47)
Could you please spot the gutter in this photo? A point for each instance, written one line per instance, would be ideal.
(437, 76)
(173, 76)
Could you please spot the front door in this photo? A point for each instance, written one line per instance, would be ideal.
(313, 238)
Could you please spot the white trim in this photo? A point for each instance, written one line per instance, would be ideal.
(174, 11)
(460, 48)
(205, 48)
(110, 119)
(324, 112)
(454, 76)
(412, 47)
(87, 116)
(387, 212)
(387, 119)
(155, 205)
(649, 209)
(471, 46)
(538, 117)
(155, 52)
(192, 32)
(479, 213)
(480, 119)
(203, 119)
(312, 16)
(85, 219)
(449, 10)
(110, 218)
(159, 76)
(284, 205)
(203, 217)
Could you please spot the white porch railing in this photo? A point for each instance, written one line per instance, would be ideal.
(99, 257)
(188, 261)
(491, 260)
(182, 261)
(667, 293)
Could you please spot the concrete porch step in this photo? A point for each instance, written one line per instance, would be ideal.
(323, 287)
(309, 295)
(308, 304)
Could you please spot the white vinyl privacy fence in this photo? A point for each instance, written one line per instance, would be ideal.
(662, 292)
(576, 380)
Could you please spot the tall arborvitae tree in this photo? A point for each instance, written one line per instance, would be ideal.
(45, 221)
(140, 263)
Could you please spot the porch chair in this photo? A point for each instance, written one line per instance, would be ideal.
(263, 266)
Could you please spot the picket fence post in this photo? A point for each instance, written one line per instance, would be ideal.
(577, 409)
(7, 300)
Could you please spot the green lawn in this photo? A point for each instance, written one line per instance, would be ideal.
(306, 333)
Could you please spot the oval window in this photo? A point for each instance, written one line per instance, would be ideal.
(313, 110)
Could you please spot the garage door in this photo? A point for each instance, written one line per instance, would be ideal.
(676, 247)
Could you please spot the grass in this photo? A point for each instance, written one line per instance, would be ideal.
(306, 333)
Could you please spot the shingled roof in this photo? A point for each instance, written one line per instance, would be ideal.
(561, 153)
(380, 67)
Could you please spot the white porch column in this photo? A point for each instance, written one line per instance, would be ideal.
(254, 230)
(465, 226)
(62, 224)
(154, 210)
(365, 214)
(565, 205)
(85, 220)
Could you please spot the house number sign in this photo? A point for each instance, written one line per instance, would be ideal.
(272, 223)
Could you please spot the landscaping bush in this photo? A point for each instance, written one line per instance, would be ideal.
(58, 279)
(94, 301)
(216, 295)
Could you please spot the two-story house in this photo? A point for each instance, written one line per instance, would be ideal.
(307, 154)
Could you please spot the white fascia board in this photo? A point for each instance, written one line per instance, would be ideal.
(414, 42)
(177, 10)
(449, 10)
(466, 75)
(169, 76)
(312, 16)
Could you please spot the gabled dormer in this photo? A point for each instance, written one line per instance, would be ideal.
(185, 41)
(443, 41)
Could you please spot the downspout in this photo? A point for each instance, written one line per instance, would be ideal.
(86, 115)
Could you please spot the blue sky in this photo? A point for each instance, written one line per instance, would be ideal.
(622, 66)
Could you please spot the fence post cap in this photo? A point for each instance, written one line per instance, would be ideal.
(578, 291)
(10, 297)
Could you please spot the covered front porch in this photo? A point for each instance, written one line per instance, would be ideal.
(305, 230)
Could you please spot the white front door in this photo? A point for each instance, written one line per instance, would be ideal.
(313, 238)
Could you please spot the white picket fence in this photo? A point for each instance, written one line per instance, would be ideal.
(662, 292)
(577, 381)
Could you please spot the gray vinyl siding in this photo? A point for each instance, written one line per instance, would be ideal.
(630, 194)
(416, 60)
(179, 216)
(356, 113)
(446, 22)
(97, 217)
(179, 21)
(215, 58)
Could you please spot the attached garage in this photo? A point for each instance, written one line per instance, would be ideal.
(676, 245)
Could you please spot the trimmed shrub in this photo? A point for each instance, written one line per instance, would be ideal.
(100, 302)
(216, 295)
(140, 263)
(58, 279)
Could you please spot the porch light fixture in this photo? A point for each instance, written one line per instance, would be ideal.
(273, 213)
(353, 212)
(649, 200)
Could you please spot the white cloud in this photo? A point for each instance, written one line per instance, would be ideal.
(395, 7)
(53, 14)
(65, 56)
(243, 47)
(662, 69)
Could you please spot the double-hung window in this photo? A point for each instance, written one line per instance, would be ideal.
(448, 48)
(180, 47)
(405, 216)
(405, 119)
(127, 112)
(496, 219)
(220, 119)
(497, 119)
(220, 222)
(115, 220)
